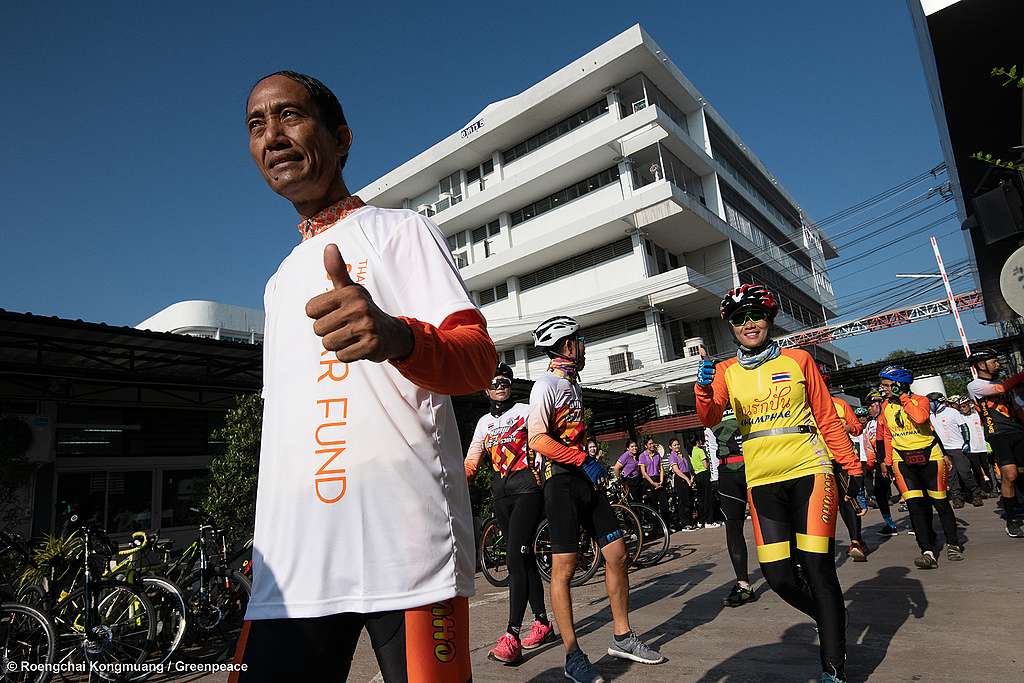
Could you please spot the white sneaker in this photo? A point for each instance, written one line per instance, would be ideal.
(712, 525)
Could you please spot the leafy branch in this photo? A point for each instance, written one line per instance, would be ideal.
(1010, 76)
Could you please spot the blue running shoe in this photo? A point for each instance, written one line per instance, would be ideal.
(579, 669)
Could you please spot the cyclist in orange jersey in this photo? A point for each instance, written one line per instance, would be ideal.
(789, 427)
(913, 453)
(858, 550)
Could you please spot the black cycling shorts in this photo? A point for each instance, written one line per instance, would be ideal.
(421, 645)
(801, 510)
(1008, 449)
(572, 503)
(919, 481)
(732, 493)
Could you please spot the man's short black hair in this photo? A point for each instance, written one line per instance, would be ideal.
(331, 113)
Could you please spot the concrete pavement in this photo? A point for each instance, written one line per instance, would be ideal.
(960, 622)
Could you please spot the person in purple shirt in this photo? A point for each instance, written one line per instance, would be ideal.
(653, 488)
(681, 490)
(627, 468)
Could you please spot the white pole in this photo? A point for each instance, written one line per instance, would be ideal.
(952, 302)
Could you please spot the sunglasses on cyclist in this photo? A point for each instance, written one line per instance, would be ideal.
(501, 384)
(740, 319)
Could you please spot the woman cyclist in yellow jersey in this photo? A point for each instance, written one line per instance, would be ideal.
(913, 453)
(789, 426)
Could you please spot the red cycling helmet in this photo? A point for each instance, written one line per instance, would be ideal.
(749, 296)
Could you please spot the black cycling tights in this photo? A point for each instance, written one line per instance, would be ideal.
(518, 516)
(924, 487)
(737, 548)
(795, 522)
(846, 511)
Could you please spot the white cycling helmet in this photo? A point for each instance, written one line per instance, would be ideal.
(553, 330)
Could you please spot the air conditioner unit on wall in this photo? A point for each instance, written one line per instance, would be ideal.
(620, 360)
(425, 210)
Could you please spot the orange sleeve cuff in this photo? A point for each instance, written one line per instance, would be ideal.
(456, 358)
(556, 450)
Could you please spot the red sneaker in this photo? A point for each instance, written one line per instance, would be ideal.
(539, 634)
(507, 650)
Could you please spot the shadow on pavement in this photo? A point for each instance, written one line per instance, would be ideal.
(794, 658)
(877, 610)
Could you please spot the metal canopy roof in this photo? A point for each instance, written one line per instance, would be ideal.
(43, 346)
(924, 363)
(57, 347)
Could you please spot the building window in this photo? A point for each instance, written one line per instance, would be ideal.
(457, 241)
(181, 491)
(450, 192)
(478, 174)
(461, 259)
(556, 131)
(564, 196)
(576, 264)
(492, 229)
(497, 293)
(117, 501)
(509, 357)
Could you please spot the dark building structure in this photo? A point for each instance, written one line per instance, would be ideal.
(121, 419)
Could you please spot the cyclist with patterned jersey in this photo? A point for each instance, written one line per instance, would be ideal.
(572, 500)
(732, 498)
(847, 510)
(789, 427)
(913, 452)
(881, 482)
(1001, 417)
(502, 436)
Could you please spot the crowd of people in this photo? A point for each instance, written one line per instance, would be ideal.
(363, 519)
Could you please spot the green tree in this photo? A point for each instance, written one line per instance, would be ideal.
(900, 354)
(230, 498)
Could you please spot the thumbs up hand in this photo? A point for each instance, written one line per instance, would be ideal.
(706, 370)
(350, 324)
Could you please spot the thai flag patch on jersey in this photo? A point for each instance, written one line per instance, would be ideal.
(781, 377)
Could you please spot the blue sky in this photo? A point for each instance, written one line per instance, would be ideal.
(127, 184)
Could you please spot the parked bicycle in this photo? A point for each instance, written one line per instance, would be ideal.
(28, 639)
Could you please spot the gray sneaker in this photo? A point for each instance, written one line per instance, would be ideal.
(633, 648)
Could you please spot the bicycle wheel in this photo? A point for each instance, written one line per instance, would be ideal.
(493, 554)
(587, 557)
(632, 532)
(27, 637)
(122, 632)
(655, 542)
(216, 612)
(171, 620)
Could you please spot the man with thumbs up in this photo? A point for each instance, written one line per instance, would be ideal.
(363, 517)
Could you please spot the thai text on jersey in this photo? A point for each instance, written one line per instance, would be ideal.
(748, 296)
(906, 434)
(773, 397)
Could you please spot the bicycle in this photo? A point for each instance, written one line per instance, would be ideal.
(105, 622)
(217, 595)
(492, 555)
(654, 535)
(28, 639)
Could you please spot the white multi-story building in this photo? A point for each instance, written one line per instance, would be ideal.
(208, 319)
(613, 192)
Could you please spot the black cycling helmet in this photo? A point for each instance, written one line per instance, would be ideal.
(503, 370)
(748, 296)
(936, 396)
(981, 355)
